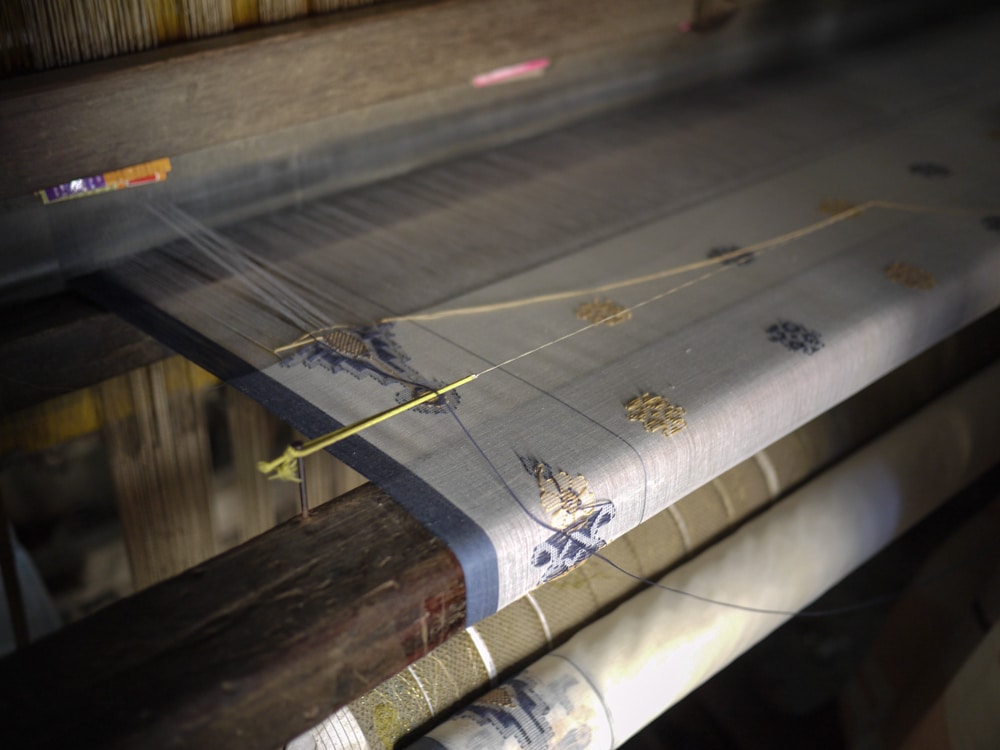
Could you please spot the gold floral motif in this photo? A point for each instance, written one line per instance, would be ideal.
(346, 343)
(910, 275)
(500, 696)
(566, 499)
(601, 311)
(834, 206)
(656, 414)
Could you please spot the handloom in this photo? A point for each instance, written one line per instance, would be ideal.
(648, 299)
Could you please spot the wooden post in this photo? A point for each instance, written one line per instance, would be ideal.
(158, 449)
(253, 436)
(329, 478)
(249, 649)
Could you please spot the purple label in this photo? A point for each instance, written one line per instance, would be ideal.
(75, 187)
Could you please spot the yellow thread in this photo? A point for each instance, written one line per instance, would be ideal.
(834, 206)
(634, 281)
(915, 208)
(309, 338)
(285, 466)
(758, 247)
(636, 306)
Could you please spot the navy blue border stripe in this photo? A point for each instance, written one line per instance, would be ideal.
(464, 537)
(426, 743)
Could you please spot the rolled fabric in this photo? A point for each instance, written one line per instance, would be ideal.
(621, 672)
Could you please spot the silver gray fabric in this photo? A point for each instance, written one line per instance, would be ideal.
(749, 349)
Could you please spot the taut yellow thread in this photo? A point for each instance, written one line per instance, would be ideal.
(758, 247)
(284, 467)
(309, 338)
(834, 206)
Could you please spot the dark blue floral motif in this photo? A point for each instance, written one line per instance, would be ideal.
(992, 223)
(795, 337)
(566, 549)
(370, 351)
(737, 260)
(929, 169)
(574, 511)
(515, 710)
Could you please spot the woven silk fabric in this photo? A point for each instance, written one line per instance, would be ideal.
(471, 662)
(618, 674)
(560, 452)
(749, 353)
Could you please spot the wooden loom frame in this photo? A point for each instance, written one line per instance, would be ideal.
(325, 644)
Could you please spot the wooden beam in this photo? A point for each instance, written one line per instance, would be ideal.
(77, 122)
(248, 649)
(156, 435)
(85, 120)
(89, 119)
(60, 344)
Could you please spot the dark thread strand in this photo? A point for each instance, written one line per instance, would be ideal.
(827, 612)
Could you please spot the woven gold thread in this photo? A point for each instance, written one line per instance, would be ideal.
(499, 697)
(566, 499)
(656, 414)
(910, 275)
(436, 673)
(602, 311)
(391, 710)
(387, 723)
(346, 343)
(443, 677)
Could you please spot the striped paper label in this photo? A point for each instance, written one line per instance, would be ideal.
(138, 174)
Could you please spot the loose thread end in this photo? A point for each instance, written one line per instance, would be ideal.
(282, 469)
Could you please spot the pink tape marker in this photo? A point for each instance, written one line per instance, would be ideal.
(511, 73)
